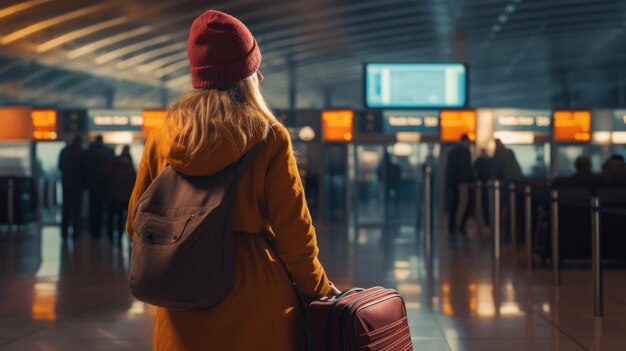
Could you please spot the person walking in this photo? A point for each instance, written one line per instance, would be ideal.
(458, 179)
(205, 131)
(95, 158)
(72, 180)
(505, 164)
(483, 172)
(119, 179)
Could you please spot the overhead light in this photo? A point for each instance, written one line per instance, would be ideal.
(83, 50)
(619, 137)
(39, 26)
(162, 62)
(176, 82)
(117, 137)
(306, 133)
(510, 8)
(601, 138)
(111, 55)
(402, 149)
(408, 137)
(146, 56)
(172, 68)
(60, 40)
(515, 137)
(24, 5)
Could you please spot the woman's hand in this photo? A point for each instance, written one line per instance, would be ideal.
(333, 291)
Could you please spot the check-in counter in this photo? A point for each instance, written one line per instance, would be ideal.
(17, 190)
(608, 136)
(118, 128)
(337, 136)
(526, 132)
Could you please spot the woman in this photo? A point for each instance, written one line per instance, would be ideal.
(206, 130)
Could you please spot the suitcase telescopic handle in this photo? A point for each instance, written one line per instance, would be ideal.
(345, 293)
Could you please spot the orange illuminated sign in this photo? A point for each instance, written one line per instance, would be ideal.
(572, 126)
(152, 120)
(337, 125)
(16, 124)
(44, 124)
(455, 123)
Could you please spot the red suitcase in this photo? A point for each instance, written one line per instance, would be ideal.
(359, 319)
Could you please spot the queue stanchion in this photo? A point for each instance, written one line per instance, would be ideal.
(528, 219)
(41, 201)
(596, 258)
(10, 204)
(497, 235)
(513, 216)
(478, 206)
(428, 226)
(556, 267)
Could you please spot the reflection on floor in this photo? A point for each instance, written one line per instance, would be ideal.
(74, 297)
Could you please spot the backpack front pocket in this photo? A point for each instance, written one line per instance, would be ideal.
(164, 231)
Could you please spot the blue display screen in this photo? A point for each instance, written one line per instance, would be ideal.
(415, 85)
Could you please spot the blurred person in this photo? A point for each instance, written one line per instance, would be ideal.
(614, 171)
(207, 130)
(94, 159)
(119, 179)
(458, 178)
(72, 174)
(539, 170)
(506, 167)
(583, 178)
(390, 173)
(506, 170)
(483, 172)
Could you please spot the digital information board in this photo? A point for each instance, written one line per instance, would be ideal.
(337, 125)
(455, 123)
(44, 124)
(422, 121)
(415, 85)
(115, 120)
(520, 120)
(572, 126)
(16, 124)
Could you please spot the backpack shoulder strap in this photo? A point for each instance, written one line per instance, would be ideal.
(246, 160)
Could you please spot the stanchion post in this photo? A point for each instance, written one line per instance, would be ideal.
(478, 211)
(10, 204)
(528, 219)
(428, 228)
(596, 258)
(513, 216)
(496, 221)
(40, 200)
(556, 267)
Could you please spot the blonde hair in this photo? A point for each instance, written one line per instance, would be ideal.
(203, 117)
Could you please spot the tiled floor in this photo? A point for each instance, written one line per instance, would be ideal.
(56, 296)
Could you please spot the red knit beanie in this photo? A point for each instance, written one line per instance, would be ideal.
(221, 51)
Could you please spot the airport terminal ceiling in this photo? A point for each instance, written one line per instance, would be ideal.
(131, 53)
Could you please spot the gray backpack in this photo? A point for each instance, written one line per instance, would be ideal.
(183, 249)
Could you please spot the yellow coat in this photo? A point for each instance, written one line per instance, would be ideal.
(263, 311)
